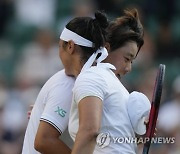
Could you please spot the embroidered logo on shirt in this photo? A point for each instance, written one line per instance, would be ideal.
(60, 111)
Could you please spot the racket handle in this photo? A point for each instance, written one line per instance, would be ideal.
(145, 150)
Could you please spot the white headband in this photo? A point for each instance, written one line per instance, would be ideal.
(68, 35)
(92, 59)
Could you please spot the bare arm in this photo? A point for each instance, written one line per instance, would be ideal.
(90, 110)
(47, 140)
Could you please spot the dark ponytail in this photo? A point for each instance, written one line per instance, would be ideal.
(124, 29)
(91, 29)
(99, 25)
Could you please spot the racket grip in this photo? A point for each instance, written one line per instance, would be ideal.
(145, 150)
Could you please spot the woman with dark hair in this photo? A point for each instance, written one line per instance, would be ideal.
(83, 36)
(50, 114)
(99, 104)
(124, 34)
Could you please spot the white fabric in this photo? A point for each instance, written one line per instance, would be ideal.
(68, 35)
(52, 105)
(138, 107)
(106, 65)
(101, 82)
(92, 59)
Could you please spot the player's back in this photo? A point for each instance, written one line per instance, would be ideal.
(60, 80)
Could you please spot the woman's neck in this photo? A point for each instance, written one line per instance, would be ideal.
(77, 68)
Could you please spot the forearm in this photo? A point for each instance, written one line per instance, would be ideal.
(90, 111)
(53, 146)
(85, 142)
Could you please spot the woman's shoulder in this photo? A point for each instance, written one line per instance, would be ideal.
(93, 73)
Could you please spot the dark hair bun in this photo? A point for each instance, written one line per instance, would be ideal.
(133, 20)
(101, 18)
(126, 28)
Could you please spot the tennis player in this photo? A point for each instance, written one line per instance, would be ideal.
(99, 104)
(50, 114)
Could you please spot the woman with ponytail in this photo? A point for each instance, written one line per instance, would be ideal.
(124, 34)
(81, 38)
(99, 111)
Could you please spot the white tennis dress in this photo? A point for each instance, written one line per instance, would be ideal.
(52, 105)
(101, 82)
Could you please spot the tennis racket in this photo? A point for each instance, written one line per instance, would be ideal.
(154, 107)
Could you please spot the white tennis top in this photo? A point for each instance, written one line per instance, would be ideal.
(101, 82)
(52, 105)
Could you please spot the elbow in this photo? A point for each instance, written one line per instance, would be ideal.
(90, 132)
(93, 133)
(39, 145)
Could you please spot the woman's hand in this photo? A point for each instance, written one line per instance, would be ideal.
(146, 121)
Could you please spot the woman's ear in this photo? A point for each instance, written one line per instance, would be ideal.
(70, 47)
(107, 46)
